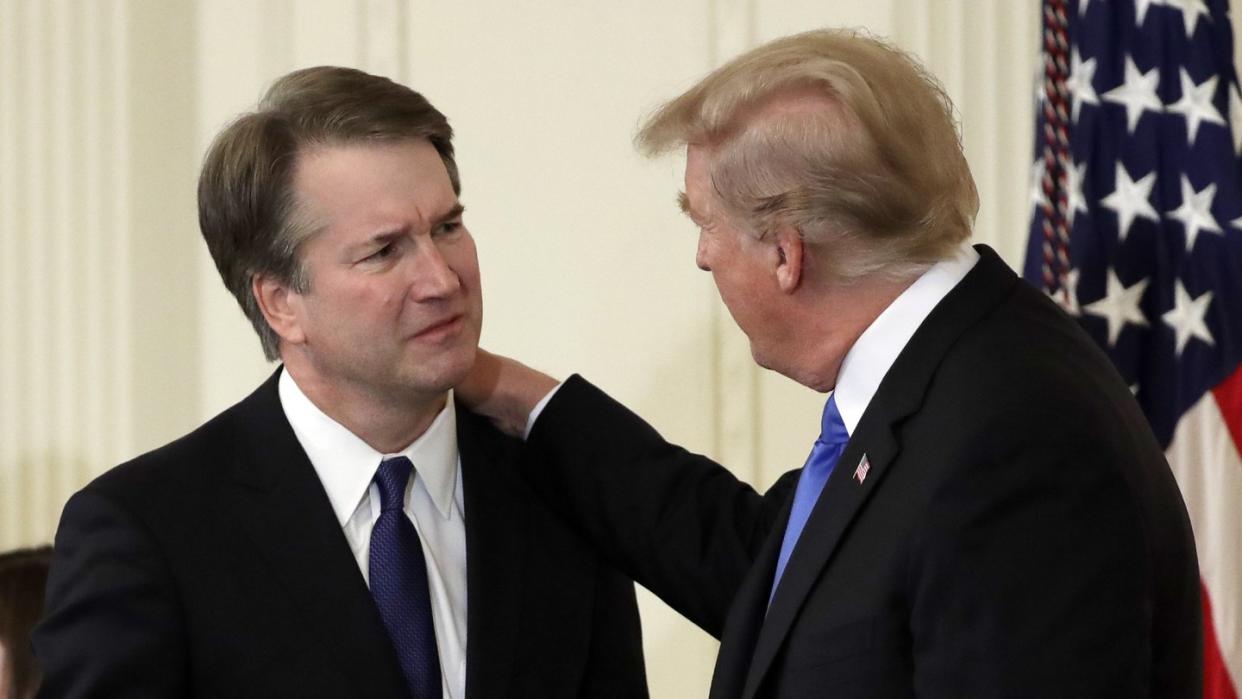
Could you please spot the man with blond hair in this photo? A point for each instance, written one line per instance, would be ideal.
(985, 512)
(344, 531)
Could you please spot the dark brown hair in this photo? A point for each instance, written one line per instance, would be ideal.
(247, 209)
(23, 576)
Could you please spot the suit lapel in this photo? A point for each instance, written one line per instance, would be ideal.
(282, 504)
(840, 502)
(899, 395)
(496, 540)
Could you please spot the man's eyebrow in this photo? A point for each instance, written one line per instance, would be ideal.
(384, 237)
(683, 203)
(451, 214)
(380, 239)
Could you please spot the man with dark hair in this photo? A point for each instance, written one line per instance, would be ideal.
(344, 530)
(985, 512)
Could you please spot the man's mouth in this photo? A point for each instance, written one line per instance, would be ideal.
(440, 329)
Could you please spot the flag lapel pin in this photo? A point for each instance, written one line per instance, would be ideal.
(860, 473)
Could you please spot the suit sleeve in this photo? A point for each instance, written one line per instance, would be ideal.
(678, 523)
(111, 623)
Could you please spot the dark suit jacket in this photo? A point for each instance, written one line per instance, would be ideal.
(1019, 532)
(214, 566)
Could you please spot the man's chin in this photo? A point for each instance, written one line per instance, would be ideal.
(766, 360)
(763, 359)
(441, 374)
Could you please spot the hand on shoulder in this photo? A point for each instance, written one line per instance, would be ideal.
(503, 390)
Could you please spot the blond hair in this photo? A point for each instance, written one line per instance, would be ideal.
(875, 175)
(247, 209)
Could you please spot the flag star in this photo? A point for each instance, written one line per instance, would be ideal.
(1191, 9)
(1140, 10)
(1196, 106)
(1079, 82)
(1037, 197)
(1131, 199)
(1137, 93)
(1119, 306)
(1082, 7)
(1237, 223)
(1195, 213)
(1075, 201)
(1068, 295)
(1187, 317)
(1235, 119)
(1040, 85)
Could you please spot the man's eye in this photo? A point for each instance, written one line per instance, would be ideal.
(383, 253)
(448, 228)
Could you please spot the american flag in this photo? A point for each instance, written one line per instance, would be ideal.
(1137, 231)
(860, 473)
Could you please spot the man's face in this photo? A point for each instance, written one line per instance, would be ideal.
(741, 265)
(394, 307)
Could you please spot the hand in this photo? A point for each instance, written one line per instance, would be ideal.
(503, 390)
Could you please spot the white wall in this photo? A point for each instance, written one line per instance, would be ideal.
(116, 335)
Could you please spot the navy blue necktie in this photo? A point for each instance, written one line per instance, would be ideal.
(399, 583)
(824, 454)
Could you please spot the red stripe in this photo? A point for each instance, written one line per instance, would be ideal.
(1229, 398)
(1216, 682)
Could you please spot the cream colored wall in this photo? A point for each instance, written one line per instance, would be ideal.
(116, 335)
(97, 291)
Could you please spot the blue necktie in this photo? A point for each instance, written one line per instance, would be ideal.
(824, 454)
(399, 583)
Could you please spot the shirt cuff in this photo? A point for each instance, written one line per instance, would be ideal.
(534, 414)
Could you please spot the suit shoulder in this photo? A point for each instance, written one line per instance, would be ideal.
(193, 457)
(1026, 379)
(1027, 348)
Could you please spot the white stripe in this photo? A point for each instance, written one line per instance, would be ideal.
(1208, 468)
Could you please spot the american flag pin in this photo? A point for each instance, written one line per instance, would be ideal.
(860, 473)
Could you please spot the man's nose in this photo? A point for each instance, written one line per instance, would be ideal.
(433, 276)
(700, 256)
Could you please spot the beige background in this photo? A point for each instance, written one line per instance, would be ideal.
(117, 336)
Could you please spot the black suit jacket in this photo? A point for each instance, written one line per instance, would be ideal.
(1018, 532)
(214, 566)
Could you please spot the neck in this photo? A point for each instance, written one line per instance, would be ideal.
(387, 423)
(830, 320)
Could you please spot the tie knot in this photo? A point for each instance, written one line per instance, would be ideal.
(832, 427)
(391, 477)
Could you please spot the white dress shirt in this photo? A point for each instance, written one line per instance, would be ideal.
(877, 348)
(346, 466)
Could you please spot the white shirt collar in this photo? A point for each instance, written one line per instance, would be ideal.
(346, 464)
(877, 348)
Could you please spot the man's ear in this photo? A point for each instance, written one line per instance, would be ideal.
(790, 250)
(280, 307)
